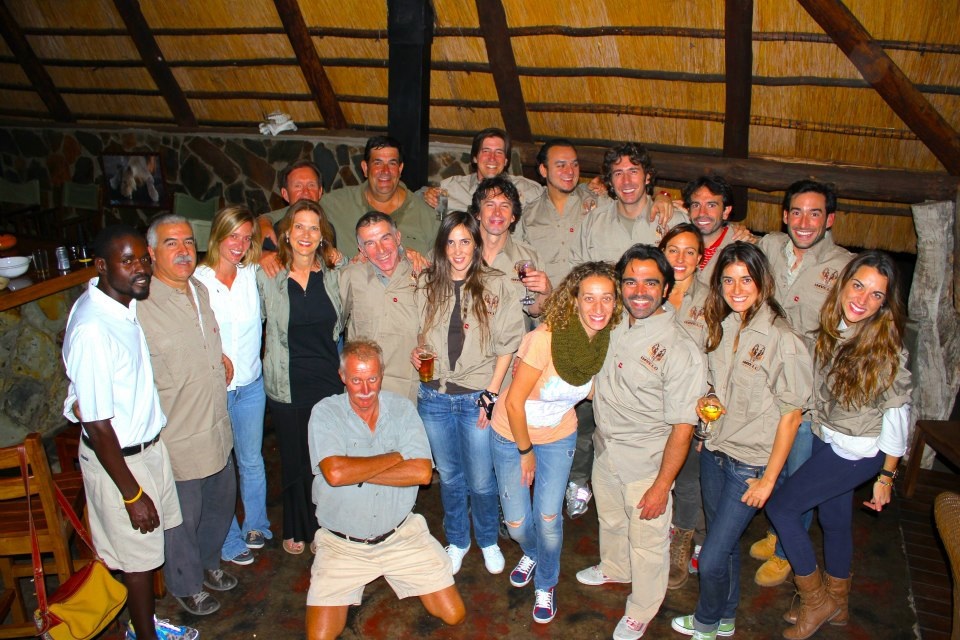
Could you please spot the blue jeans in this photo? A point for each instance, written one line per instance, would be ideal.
(246, 406)
(723, 481)
(461, 451)
(827, 481)
(541, 535)
(800, 452)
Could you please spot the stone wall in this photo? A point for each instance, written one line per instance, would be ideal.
(240, 169)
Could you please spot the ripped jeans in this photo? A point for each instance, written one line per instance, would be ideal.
(541, 538)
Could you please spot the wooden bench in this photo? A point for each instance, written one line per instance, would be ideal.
(943, 436)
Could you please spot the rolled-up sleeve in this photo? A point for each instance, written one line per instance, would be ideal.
(685, 382)
(508, 323)
(791, 380)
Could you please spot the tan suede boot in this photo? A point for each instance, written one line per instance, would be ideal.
(681, 548)
(839, 590)
(816, 607)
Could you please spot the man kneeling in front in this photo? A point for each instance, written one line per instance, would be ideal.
(370, 453)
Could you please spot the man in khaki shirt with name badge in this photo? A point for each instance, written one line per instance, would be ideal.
(645, 400)
(191, 374)
(378, 300)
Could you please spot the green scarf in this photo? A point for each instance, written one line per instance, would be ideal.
(575, 357)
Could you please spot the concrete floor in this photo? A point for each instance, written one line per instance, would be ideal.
(270, 599)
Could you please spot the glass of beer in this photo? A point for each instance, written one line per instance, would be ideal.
(706, 427)
(427, 355)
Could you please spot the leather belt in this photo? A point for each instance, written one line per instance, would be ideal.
(374, 540)
(132, 450)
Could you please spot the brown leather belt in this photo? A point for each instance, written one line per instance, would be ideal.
(374, 540)
(132, 450)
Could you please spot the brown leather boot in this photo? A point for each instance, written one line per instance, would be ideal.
(838, 589)
(681, 548)
(816, 607)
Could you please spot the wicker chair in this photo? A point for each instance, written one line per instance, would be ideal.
(946, 510)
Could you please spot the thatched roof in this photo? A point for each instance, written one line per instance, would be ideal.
(596, 72)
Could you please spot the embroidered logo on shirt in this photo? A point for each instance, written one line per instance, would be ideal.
(756, 355)
(694, 316)
(491, 302)
(655, 355)
(827, 277)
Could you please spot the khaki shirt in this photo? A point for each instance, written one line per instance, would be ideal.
(864, 420)
(690, 316)
(460, 190)
(477, 361)
(818, 271)
(768, 376)
(512, 252)
(190, 377)
(276, 215)
(552, 232)
(704, 274)
(604, 236)
(387, 313)
(416, 221)
(650, 380)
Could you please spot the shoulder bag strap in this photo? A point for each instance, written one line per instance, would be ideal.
(38, 582)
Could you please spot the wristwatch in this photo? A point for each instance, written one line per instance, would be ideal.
(890, 474)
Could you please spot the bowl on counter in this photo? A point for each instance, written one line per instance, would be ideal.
(13, 267)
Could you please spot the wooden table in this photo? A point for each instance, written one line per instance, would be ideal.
(42, 288)
(943, 436)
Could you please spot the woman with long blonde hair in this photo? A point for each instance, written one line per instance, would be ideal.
(861, 418)
(229, 272)
(468, 312)
(303, 324)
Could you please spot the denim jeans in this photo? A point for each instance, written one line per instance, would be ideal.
(687, 499)
(461, 451)
(540, 533)
(723, 481)
(582, 467)
(800, 452)
(246, 405)
(827, 481)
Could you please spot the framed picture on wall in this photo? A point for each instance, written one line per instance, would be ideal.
(134, 180)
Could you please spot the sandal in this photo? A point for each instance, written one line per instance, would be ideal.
(293, 547)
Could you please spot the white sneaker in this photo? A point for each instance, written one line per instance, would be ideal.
(493, 559)
(629, 629)
(593, 576)
(578, 497)
(456, 556)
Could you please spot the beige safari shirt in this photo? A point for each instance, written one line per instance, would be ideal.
(818, 271)
(416, 221)
(190, 377)
(769, 375)
(387, 313)
(477, 361)
(552, 232)
(650, 380)
(690, 316)
(460, 190)
(512, 252)
(604, 236)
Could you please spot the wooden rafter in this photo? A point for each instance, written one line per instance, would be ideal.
(313, 72)
(888, 79)
(35, 71)
(738, 52)
(153, 59)
(503, 66)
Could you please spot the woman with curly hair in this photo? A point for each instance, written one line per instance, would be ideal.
(760, 376)
(535, 426)
(861, 417)
(469, 313)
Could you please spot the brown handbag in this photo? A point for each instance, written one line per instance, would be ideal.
(89, 600)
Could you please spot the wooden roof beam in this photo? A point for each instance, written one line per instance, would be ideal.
(738, 52)
(153, 59)
(888, 79)
(35, 71)
(503, 65)
(313, 72)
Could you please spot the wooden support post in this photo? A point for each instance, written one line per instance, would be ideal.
(738, 50)
(503, 66)
(410, 33)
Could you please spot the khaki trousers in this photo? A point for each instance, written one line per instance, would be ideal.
(630, 548)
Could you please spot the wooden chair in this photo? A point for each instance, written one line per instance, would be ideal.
(200, 214)
(79, 215)
(946, 511)
(53, 530)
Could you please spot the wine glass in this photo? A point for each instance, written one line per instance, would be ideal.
(705, 428)
(524, 267)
